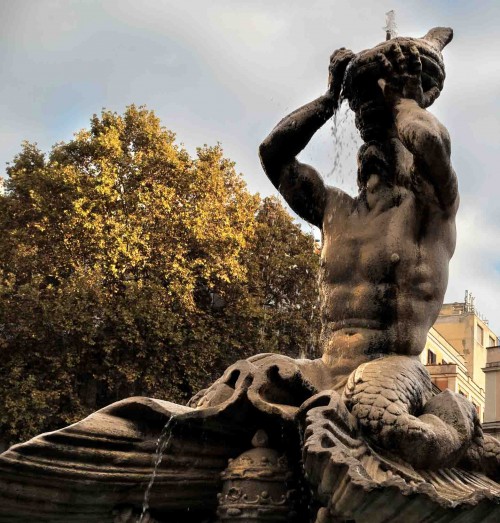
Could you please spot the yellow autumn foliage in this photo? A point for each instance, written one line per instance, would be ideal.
(127, 267)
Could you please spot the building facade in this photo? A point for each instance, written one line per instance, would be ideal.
(491, 422)
(448, 370)
(458, 349)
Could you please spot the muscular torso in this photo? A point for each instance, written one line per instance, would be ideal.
(384, 271)
(384, 265)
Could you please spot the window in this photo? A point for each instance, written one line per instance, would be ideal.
(492, 342)
(431, 358)
(480, 335)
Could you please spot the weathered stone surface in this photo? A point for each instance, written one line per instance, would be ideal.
(98, 469)
(364, 94)
(355, 481)
(259, 484)
(273, 383)
(382, 281)
(441, 428)
(81, 473)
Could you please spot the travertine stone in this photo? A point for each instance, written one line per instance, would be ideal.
(81, 473)
(355, 480)
(443, 428)
(88, 469)
(86, 472)
(259, 485)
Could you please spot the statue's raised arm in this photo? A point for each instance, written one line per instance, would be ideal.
(300, 184)
(419, 130)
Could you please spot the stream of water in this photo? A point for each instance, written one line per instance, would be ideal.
(161, 447)
(346, 142)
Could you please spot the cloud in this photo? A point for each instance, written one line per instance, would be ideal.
(475, 266)
(229, 70)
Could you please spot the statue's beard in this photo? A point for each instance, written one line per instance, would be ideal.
(373, 120)
(374, 157)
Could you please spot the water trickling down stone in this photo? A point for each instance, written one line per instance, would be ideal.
(161, 447)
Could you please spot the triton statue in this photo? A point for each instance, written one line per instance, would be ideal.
(357, 435)
(384, 263)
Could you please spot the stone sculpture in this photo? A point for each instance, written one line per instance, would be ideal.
(384, 264)
(358, 435)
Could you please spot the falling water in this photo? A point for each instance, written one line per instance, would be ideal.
(346, 142)
(161, 447)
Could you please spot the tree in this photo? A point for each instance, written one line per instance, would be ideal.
(129, 268)
(283, 271)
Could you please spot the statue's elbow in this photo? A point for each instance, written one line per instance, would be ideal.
(264, 150)
(266, 154)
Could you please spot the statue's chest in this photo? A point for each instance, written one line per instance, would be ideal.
(369, 242)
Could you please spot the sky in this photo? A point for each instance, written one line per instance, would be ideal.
(228, 70)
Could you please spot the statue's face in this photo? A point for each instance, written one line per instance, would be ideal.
(373, 119)
(373, 165)
(383, 164)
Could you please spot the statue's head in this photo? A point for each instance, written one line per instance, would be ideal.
(377, 158)
(371, 159)
(361, 87)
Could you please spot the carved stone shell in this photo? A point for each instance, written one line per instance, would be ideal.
(360, 83)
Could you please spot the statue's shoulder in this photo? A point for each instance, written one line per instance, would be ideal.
(338, 200)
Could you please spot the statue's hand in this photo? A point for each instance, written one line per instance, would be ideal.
(338, 64)
(402, 77)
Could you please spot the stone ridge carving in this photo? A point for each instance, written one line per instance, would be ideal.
(385, 252)
(273, 383)
(82, 472)
(352, 476)
(257, 486)
(105, 461)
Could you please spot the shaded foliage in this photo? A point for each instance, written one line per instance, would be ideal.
(130, 268)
